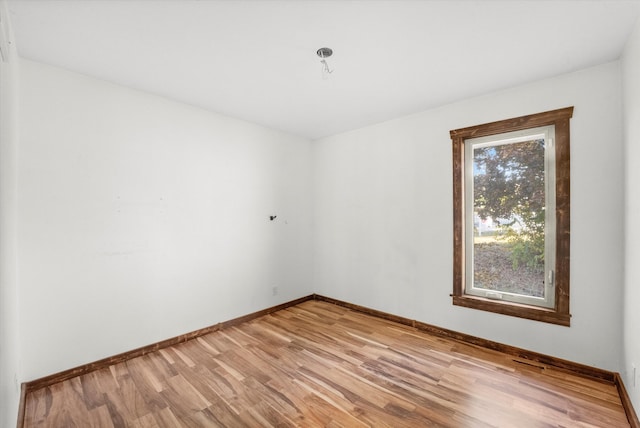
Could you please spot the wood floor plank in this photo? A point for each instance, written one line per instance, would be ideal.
(319, 364)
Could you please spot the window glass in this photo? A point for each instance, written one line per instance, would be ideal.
(509, 181)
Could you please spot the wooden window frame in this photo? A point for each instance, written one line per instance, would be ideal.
(559, 314)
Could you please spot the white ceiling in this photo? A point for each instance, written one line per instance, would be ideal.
(256, 60)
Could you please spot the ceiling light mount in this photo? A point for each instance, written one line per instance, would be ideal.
(324, 53)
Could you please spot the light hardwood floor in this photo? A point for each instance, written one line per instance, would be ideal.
(318, 364)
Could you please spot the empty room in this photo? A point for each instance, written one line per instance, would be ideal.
(319, 213)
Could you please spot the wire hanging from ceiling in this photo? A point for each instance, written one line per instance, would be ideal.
(324, 53)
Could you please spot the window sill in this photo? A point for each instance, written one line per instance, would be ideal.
(514, 309)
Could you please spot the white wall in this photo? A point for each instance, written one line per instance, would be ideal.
(631, 103)
(9, 318)
(141, 218)
(383, 213)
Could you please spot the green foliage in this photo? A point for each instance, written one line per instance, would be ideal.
(509, 185)
(527, 245)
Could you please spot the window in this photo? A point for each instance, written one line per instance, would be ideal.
(511, 216)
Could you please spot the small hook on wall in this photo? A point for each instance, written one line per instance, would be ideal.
(272, 217)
